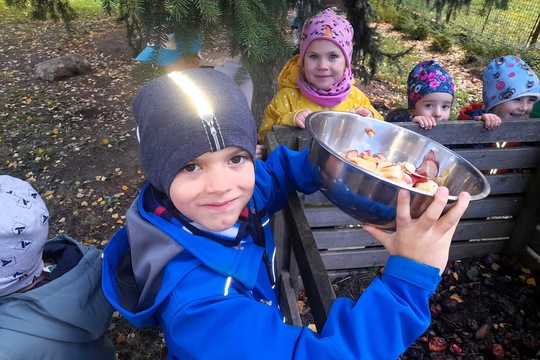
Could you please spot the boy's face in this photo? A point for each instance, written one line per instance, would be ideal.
(437, 105)
(324, 63)
(515, 109)
(214, 188)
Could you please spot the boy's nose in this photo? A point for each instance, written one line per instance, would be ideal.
(218, 181)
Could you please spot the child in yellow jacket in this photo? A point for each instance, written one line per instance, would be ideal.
(319, 78)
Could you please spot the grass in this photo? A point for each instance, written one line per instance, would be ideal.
(15, 15)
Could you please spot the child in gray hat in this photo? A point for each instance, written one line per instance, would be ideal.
(51, 303)
(197, 256)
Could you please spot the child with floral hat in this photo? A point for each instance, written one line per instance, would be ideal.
(430, 92)
(51, 303)
(319, 78)
(510, 90)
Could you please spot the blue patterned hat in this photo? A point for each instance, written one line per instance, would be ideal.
(425, 78)
(508, 78)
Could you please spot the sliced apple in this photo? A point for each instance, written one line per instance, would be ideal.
(428, 185)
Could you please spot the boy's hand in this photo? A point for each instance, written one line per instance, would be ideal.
(425, 122)
(300, 119)
(491, 121)
(426, 239)
(362, 111)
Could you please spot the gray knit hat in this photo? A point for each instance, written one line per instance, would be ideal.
(171, 130)
(24, 227)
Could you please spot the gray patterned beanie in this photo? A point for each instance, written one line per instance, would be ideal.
(24, 228)
(173, 131)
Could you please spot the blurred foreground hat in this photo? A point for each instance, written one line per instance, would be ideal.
(24, 228)
(169, 52)
(425, 78)
(508, 78)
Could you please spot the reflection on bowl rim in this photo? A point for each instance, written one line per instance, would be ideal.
(483, 194)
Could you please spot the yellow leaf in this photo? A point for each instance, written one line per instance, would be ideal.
(125, 187)
(48, 192)
(312, 327)
(457, 298)
(522, 277)
(84, 203)
(55, 131)
(452, 287)
(456, 276)
(105, 141)
(495, 267)
(531, 281)
(525, 270)
(114, 216)
(40, 151)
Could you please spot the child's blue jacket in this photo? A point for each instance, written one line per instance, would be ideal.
(218, 302)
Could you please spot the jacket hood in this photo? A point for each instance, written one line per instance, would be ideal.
(53, 311)
(153, 243)
(289, 73)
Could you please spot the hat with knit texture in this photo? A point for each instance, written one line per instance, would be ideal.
(24, 228)
(329, 26)
(508, 78)
(173, 131)
(425, 78)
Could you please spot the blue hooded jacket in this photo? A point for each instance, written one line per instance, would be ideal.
(218, 302)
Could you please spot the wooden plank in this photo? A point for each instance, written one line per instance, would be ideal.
(327, 216)
(523, 157)
(288, 302)
(448, 132)
(473, 132)
(508, 183)
(345, 237)
(314, 276)
(528, 219)
(377, 256)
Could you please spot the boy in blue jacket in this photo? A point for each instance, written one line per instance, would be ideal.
(197, 255)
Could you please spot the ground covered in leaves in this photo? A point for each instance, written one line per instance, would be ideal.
(484, 308)
(74, 140)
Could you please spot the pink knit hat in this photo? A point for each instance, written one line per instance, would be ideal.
(329, 26)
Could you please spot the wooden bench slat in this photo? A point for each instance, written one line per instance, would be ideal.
(329, 216)
(331, 238)
(376, 256)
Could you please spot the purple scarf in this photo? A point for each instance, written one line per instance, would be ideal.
(327, 97)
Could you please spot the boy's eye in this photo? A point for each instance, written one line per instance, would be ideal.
(237, 159)
(190, 168)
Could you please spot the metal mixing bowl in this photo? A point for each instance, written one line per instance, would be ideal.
(364, 194)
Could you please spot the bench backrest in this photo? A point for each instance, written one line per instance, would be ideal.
(504, 222)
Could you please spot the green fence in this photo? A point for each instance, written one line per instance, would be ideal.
(517, 26)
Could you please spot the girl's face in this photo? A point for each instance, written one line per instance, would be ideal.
(515, 109)
(214, 188)
(324, 64)
(437, 105)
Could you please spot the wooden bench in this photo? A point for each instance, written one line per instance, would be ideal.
(318, 243)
